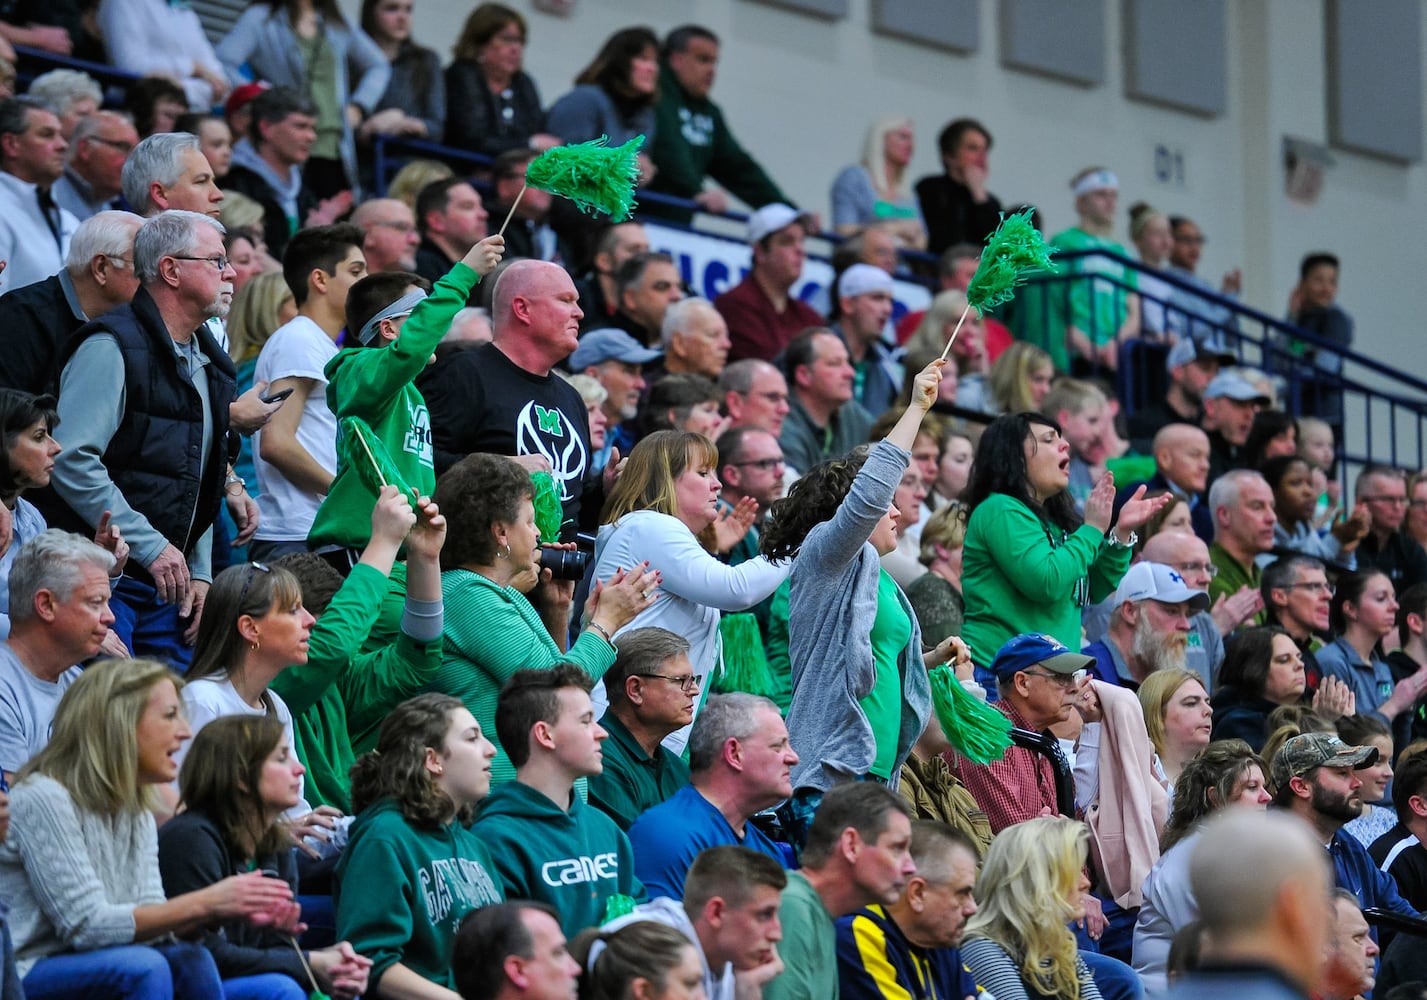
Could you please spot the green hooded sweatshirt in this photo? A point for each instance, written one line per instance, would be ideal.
(375, 383)
(411, 888)
(342, 686)
(574, 860)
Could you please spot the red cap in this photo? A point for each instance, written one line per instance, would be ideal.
(242, 95)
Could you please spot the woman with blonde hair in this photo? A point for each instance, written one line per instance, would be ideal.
(1020, 378)
(664, 510)
(414, 178)
(1177, 718)
(876, 189)
(80, 868)
(973, 366)
(1019, 943)
(259, 308)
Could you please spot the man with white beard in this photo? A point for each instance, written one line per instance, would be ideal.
(1149, 625)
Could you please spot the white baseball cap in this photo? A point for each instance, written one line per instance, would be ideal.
(1152, 581)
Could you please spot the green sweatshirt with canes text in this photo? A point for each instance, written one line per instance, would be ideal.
(377, 385)
(402, 891)
(574, 859)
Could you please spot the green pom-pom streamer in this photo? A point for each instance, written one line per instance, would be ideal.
(595, 176)
(1014, 251)
(549, 514)
(361, 450)
(745, 664)
(618, 905)
(977, 731)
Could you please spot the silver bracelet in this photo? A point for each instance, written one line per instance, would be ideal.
(1113, 540)
(604, 632)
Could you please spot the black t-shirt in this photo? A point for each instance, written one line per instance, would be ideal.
(1408, 867)
(481, 401)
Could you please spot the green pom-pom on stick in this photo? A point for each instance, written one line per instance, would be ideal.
(596, 176)
(1015, 251)
(977, 731)
(549, 514)
(360, 449)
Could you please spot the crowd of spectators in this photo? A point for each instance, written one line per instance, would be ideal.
(394, 608)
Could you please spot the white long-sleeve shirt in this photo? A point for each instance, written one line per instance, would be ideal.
(155, 38)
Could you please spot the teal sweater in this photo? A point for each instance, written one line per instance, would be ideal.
(340, 684)
(574, 859)
(490, 633)
(410, 889)
(1019, 574)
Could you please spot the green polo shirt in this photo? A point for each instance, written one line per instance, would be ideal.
(1233, 575)
(632, 781)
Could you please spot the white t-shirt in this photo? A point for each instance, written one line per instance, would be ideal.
(210, 698)
(27, 709)
(298, 349)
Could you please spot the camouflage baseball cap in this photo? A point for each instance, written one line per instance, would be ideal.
(1309, 750)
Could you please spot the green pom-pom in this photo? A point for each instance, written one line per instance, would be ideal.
(977, 731)
(549, 515)
(318, 995)
(618, 905)
(360, 449)
(745, 663)
(1013, 252)
(594, 175)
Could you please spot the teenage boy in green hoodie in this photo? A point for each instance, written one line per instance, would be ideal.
(547, 844)
(394, 327)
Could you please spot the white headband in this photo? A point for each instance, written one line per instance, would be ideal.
(1096, 180)
(401, 307)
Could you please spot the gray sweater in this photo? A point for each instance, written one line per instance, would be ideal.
(72, 877)
(832, 606)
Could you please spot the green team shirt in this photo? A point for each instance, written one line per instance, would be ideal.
(891, 631)
(375, 384)
(1097, 308)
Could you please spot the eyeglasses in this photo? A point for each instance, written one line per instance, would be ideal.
(1379, 498)
(221, 261)
(118, 261)
(254, 568)
(1204, 567)
(1312, 586)
(766, 464)
(1417, 504)
(118, 145)
(773, 397)
(1060, 680)
(688, 683)
(401, 226)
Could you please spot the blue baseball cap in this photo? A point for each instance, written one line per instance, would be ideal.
(1032, 648)
(610, 344)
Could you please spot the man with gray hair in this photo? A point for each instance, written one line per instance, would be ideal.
(34, 230)
(1241, 503)
(1150, 623)
(740, 763)
(97, 153)
(755, 394)
(169, 171)
(70, 94)
(652, 691)
(1262, 886)
(694, 338)
(98, 275)
(59, 617)
(144, 395)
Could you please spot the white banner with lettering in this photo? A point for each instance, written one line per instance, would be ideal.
(711, 265)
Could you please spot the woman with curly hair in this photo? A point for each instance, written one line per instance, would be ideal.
(1031, 563)
(415, 796)
(1019, 943)
(490, 563)
(860, 692)
(1225, 773)
(664, 509)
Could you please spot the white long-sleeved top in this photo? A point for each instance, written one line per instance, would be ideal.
(156, 38)
(696, 587)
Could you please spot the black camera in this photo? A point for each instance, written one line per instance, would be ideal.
(569, 564)
(565, 564)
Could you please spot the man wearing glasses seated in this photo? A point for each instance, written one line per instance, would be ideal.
(741, 764)
(1040, 682)
(652, 691)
